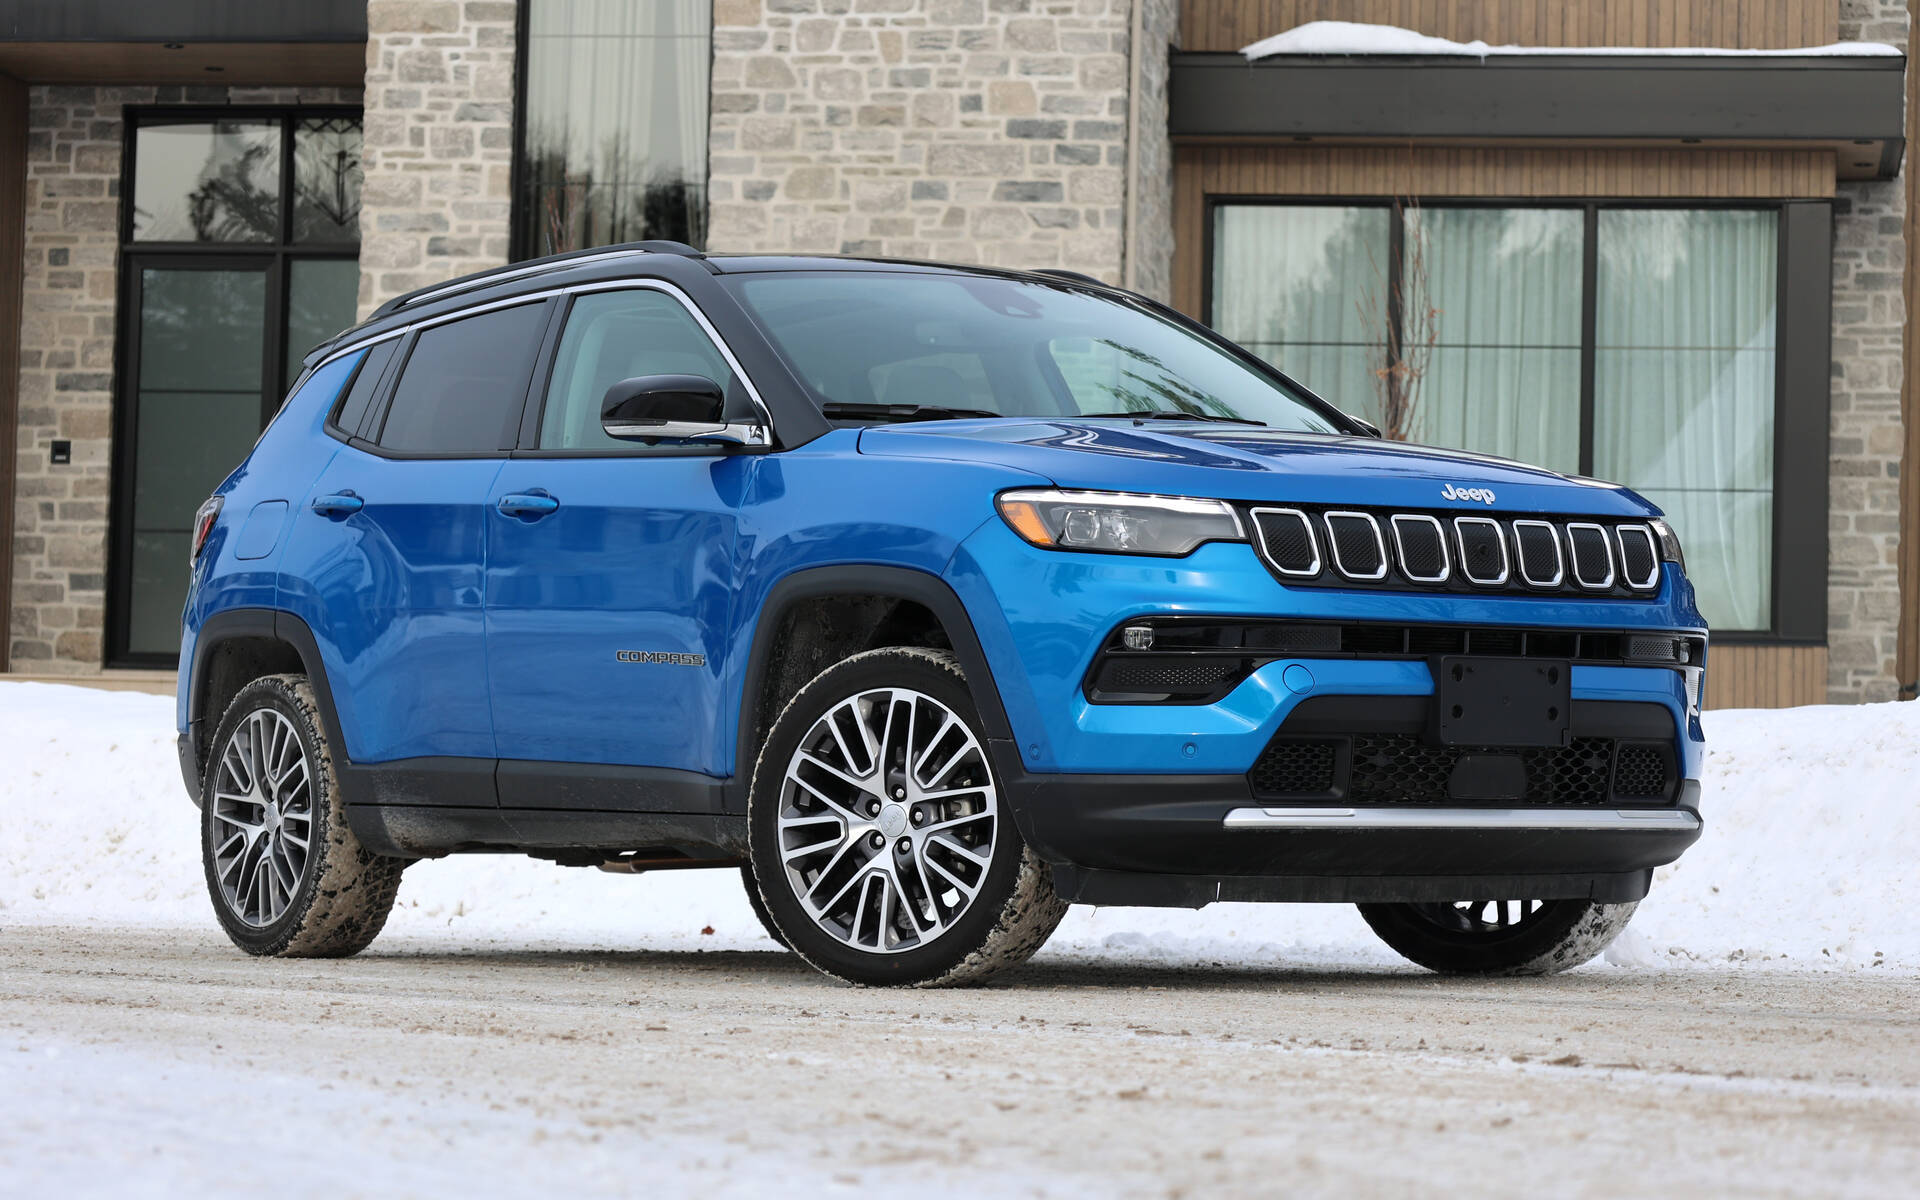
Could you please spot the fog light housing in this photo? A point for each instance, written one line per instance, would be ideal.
(1137, 637)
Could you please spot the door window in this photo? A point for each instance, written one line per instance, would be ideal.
(461, 390)
(612, 336)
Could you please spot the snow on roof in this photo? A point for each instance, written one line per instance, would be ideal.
(1349, 37)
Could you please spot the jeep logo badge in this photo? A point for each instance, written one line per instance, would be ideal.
(1483, 495)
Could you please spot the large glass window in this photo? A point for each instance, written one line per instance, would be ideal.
(613, 124)
(240, 254)
(1632, 343)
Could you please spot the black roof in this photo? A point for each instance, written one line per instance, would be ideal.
(630, 259)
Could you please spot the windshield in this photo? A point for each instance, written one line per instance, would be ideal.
(971, 345)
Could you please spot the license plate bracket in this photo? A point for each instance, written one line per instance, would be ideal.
(1501, 701)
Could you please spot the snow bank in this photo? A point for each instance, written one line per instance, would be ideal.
(1809, 860)
(1348, 37)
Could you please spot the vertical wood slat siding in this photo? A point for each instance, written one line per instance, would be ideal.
(1743, 24)
(1201, 171)
(1766, 676)
(13, 198)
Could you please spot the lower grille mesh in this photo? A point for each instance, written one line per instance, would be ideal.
(1403, 768)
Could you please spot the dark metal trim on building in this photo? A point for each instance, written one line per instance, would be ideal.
(1782, 100)
(182, 21)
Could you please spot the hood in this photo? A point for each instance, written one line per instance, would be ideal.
(1244, 462)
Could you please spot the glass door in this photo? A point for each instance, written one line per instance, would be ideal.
(240, 253)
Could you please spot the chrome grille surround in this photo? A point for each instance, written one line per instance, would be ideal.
(1520, 554)
(1574, 555)
(1379, 545)
(1440, 539)
(1306, 527)
(1457, 552)
(1499, 539)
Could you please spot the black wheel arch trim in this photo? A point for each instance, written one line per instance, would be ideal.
(904, 583)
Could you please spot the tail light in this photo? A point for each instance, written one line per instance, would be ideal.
(203, 527)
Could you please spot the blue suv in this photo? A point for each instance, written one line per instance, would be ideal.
(934, 599)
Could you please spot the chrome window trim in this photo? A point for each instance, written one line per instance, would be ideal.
(1400, 548)
(1499, 539)
(1652, 580)
(1559, 557)
(1573, 556)
(1313, 541)
(765, 429)
(1333, 544)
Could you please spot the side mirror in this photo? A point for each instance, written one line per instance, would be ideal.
(671, 408)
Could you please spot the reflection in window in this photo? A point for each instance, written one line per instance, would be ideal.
(326, 179)
(209, 181)
(616, 124)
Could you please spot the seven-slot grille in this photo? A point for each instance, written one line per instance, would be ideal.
(1460, 552)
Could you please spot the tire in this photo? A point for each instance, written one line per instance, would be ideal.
(1493, 937)
(759, 907)
(951, 895)
(273, 900)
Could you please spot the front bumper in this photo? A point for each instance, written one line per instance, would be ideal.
(1185, 841)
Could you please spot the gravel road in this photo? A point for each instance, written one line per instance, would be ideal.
(162, 1058)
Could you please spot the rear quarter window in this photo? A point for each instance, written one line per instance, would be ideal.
(463, 384)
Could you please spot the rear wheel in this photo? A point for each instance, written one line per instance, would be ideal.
(880, 841)
(1499, 937)
(759, 907)
(287, 876)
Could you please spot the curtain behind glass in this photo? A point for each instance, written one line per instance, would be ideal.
(1288, 283)
(616, 123)
(1504, 374)
(1684, 390)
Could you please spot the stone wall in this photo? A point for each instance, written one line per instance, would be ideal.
(439, 143)
(72, 218)
(1869, 257)
(1150, 237)
(986, 131)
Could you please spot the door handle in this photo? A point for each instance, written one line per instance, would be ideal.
(528, 506)
(339, 506)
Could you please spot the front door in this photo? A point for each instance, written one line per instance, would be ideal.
(610, 568)
(227, 283)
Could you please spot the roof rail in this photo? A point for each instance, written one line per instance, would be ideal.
(551, 262)
(1075, 276)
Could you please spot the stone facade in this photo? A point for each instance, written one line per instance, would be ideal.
(72, 219)
(1869, 257)
(439, 143)
(1150, 182)
(984, 131)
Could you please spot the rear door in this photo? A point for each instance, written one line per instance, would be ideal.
(610, 575)
(388, 563)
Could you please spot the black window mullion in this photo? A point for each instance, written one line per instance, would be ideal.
(1589, 326)
(1396, 308)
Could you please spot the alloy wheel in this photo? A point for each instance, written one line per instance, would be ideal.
(888, 815)
(261, 821)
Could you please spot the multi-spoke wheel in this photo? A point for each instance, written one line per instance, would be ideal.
(285, 872)
(262, 817)
(1499, 937)
(882, 847)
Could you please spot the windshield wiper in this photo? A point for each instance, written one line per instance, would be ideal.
(1174, 414)
(839, 410)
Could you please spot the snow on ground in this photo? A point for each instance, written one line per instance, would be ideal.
(1349, 37)
(1811, 858)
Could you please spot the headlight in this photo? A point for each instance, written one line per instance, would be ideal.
(1118, 522)
(1669, 543)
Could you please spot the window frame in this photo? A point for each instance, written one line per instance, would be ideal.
(133, 256)
(1802, 340)
(517, 248)
(378, 409)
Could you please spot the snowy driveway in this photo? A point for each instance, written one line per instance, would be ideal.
(136, 1061)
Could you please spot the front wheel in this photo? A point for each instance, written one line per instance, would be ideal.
(880, 839)
(1499, 937)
